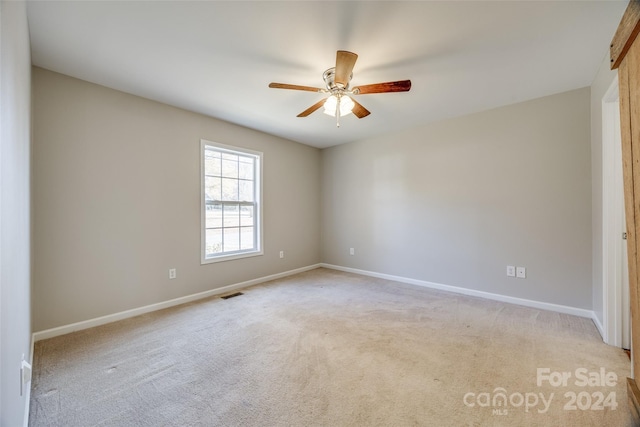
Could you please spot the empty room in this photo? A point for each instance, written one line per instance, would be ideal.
(312, 213)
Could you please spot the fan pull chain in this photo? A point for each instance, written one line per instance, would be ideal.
(338, 110)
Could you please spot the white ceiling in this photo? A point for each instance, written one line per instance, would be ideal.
(218, 57)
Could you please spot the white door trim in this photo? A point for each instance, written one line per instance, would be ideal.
(612, 220)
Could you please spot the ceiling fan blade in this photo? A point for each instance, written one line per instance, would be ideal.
(359, 110)
(399, 86)
(313, 108)
(344, 66)
(294, 87)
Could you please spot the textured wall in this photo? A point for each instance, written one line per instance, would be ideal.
(457, 201)
(117, 202)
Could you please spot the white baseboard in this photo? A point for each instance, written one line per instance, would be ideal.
(61, 330)
(581, 312)
(598, 324)
(85, 324)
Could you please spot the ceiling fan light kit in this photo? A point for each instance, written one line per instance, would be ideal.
(335, 108)
(337, 80)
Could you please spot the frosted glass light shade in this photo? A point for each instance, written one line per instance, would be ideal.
(346, 105)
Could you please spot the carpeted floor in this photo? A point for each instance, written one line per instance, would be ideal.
(326, 348)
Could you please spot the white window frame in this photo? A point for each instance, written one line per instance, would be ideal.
(257, 251)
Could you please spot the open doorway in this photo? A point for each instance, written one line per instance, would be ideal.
(616, 309)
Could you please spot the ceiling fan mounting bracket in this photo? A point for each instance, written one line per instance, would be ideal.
(329, 78)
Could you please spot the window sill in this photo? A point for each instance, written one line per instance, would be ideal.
(230, 257)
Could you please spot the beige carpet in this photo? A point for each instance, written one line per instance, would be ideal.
(327, 348)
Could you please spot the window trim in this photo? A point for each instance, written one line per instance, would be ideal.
(203, 230)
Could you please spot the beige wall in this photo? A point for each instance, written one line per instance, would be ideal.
(117, 202)
(15, 241)
(457, 201)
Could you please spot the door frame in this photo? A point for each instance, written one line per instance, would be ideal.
(613, 302)
(625, 57)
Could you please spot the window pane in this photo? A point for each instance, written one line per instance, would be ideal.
(230, 201)
(213, 215)
(230, 189)
(246, 168)
(231, 239)
(212, 188)
(212, 165)
(230, 166)
(246, 238)
(229, 156)
(246, 216)
(231, 216)
(213, 242)
(246, 191)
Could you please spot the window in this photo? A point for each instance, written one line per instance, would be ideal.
(231, 204)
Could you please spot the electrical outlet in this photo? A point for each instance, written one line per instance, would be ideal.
(511, 271)
(521, 272)
(352, 251)
(281, 254)
(172, 273)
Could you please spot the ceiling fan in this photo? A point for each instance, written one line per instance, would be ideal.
(339, 102)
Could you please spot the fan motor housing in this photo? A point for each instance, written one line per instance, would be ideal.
(329, 78)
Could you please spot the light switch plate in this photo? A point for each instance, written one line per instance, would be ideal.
(25, 376)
